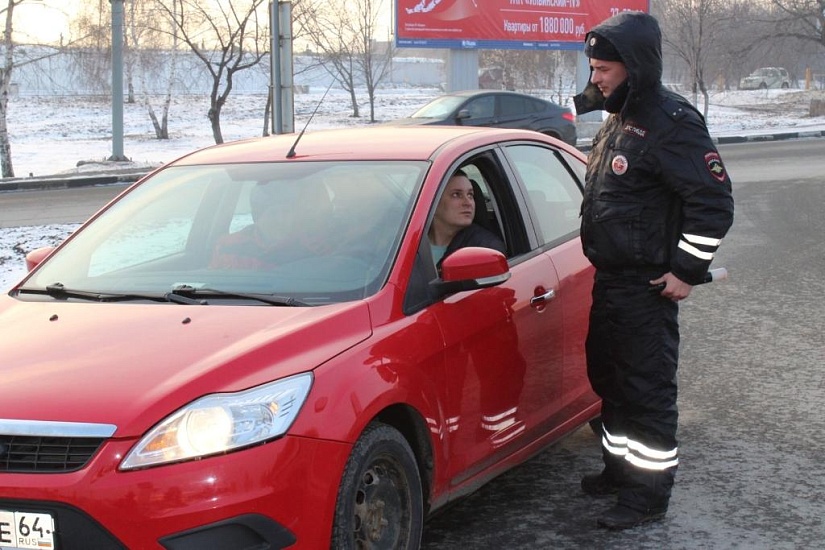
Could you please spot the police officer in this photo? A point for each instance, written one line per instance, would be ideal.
(657, 204)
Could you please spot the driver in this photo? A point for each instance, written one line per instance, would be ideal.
(290, 221)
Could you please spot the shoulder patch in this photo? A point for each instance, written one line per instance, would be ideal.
(715, 166)
(633, 130)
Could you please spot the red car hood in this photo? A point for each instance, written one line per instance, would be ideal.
(131, 365)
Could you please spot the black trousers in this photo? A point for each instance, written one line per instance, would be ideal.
(632, 354)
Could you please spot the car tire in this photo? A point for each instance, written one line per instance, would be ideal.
(380, 499)
(763, 86)
(785, 86)
(596, 425)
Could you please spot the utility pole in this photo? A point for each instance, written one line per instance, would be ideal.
(117, 80)
(281, 81)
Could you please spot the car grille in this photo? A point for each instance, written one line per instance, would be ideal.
(46, 454)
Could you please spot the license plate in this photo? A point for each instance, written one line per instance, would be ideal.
(26, 530)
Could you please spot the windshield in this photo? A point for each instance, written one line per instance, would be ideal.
(315, 232)
(439, 108)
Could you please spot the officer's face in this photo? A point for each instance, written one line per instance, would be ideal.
(607, 75)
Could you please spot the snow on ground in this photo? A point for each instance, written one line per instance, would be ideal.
(53, 135)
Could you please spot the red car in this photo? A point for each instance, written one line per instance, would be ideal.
(175, 378)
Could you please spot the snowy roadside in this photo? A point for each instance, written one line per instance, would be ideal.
(16, 242)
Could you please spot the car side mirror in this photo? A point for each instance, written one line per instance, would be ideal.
(462, 114)
(34, 257)
(471, 268)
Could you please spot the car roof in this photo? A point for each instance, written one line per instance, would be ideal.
(472, 93)
(362, 143)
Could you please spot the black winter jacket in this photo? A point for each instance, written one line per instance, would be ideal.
(657, 196)
(474, 235)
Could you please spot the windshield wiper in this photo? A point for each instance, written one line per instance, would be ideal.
(60, 292)
(271, 299)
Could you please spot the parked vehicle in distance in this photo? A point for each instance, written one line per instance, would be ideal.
(252, 347)
(765, 78)
(498, 109)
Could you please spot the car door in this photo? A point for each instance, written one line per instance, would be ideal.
(552, 182)
(481, 111)
(515, 111)
(772, 78)
(502, 346)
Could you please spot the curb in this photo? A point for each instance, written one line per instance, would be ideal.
(722, 140)
(769, 137)
(70, 182)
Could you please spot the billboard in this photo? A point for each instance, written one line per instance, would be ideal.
(503, 24)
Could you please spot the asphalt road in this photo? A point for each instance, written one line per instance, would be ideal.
(47, 206)
(752, 380)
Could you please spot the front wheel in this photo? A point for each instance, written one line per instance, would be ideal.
(380, 500)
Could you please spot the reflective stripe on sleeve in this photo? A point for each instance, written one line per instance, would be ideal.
(693, 251)
(698, 239)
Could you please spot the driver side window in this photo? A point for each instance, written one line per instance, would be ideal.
(483, 107)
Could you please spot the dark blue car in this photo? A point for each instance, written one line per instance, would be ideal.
(497, 108)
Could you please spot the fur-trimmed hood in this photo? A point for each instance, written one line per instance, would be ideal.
(638, 39)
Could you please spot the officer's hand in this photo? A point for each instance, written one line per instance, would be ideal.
(675, 288)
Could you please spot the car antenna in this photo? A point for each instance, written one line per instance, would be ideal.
(292, 149)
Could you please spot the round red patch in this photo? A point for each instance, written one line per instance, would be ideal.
(619, 165)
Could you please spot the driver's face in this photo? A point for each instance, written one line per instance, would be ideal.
(456, 207)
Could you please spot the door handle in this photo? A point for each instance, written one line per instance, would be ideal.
(540, 300)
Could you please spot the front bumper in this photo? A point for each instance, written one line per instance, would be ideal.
(750, 85)
(281, 493)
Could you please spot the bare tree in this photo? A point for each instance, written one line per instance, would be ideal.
(227, 37)
(801, 19)
(374, 61)
(533, 70)
(5, 84)
(11, 61)
(150, 31)
(131, 47)
(344, 32)
(92, 25)
(323, 23)
(695, 32)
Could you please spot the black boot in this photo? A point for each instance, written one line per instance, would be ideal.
(600, 485)
(621, 517)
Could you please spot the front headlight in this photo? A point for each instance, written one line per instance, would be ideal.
(222, 422)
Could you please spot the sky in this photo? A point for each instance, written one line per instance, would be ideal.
(51, 135)
(44, 21)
